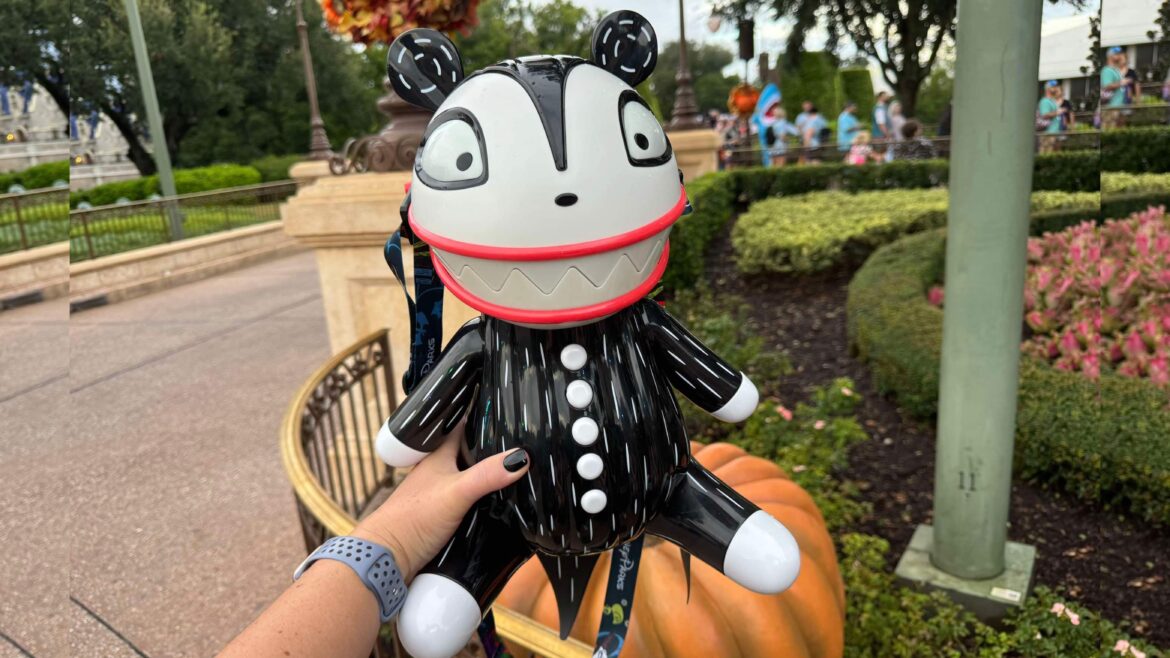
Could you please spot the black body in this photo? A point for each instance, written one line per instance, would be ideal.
(511, 384)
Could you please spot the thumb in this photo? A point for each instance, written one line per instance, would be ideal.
(492, 474)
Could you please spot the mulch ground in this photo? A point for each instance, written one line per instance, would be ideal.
(1117, 566)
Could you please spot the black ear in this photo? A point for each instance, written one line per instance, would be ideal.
(625, 45)
(424, 66)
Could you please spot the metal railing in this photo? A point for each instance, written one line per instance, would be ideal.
(327, 447)
(106, 230)
(33, 219)
(749, 156)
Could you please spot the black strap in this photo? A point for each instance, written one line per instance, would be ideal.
(426, 308)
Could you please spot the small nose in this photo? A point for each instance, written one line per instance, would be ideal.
(566, 200)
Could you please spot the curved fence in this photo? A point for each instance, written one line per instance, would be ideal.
(327, 446)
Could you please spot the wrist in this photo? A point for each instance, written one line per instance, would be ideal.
(372, 530)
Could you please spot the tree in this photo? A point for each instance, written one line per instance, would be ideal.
(228, 76)
(902, 37)
(510, 28)
(32, 45)
(707, 62)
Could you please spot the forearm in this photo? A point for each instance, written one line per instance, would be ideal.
(327, 613)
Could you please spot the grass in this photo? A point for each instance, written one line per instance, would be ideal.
(145, 227)
(43, 224)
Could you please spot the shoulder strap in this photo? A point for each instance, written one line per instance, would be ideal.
(426, 308)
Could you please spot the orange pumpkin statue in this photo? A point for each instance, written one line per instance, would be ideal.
(742, 99)
(722, 618)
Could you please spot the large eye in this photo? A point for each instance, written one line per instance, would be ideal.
(452, 154)
(646, 143)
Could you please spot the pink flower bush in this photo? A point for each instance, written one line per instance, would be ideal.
(1097, 298)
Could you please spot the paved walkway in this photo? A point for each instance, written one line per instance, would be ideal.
(144, 510)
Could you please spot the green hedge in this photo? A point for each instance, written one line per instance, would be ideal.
(814, 232)
(275, 167)
(1072, 171)
(814, 79)
(36, 177)
(1136, 149)
(187, 181)
(712, 199)
(1100, 440)
(857, 86)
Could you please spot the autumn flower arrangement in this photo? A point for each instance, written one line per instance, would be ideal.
(1097, 297)
(380, 21)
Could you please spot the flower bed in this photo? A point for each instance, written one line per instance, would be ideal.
(810, 440)
(1102, 440)
(1098, 298)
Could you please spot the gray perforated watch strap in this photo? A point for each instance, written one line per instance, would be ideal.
(373, 563)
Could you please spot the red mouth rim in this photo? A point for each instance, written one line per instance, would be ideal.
(554, 252)
(558, 316)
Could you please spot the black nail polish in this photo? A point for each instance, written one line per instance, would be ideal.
(517, 460)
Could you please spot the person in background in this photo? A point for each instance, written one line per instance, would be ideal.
(814, 125)
(801, 118)
(777, 129)
(1112, 90)
(897, 120)
(881, 116)
(944, 122)
(861, 152)
(1048, 117)
(1129, 79)
(847, 126)
(713, 119)
(1068, 118)
(913, 146)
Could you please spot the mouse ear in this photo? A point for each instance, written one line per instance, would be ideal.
(625, 45)
(424, 67)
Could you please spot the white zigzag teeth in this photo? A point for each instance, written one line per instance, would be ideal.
(561, 283)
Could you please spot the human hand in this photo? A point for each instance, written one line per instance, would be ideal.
(427, 507)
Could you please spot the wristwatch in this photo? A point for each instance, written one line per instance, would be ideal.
(374, 565)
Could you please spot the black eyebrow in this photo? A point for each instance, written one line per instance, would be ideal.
(544, 80)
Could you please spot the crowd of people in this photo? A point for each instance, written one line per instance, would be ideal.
(887, 134)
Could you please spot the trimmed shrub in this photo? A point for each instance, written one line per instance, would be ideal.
(1100, 440)
(275, 167)
(1136, 149)
(712, 199)
(187, 181)
(1120, 182)
(36, 177)
(814, 79)
(1073, 171)
(817, 231)
(857, 86)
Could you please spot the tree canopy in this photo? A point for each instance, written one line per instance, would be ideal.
(707, 62)
(903, 38)
(33, 45)
(227, 73)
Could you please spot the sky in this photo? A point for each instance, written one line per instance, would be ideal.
(771, 35)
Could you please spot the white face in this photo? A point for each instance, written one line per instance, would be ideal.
(486, 177)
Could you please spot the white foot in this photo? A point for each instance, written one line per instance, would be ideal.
(394, 452)
(741, 405)
(438, 617)
(763, 555)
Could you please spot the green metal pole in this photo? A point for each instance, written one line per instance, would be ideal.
(997, 60)
(162, 156)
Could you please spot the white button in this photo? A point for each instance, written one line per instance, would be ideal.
(585, 431)
(589, 466)
(573, 357)
(593, 501)
(579, 393)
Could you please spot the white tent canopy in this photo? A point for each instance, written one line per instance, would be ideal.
(1127, 22)
(1064, 47)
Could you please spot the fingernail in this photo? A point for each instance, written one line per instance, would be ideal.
(516, 460)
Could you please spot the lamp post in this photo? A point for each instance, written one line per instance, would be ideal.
(966, 553)
(685, 115)
(318, 141)
(162, 157)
